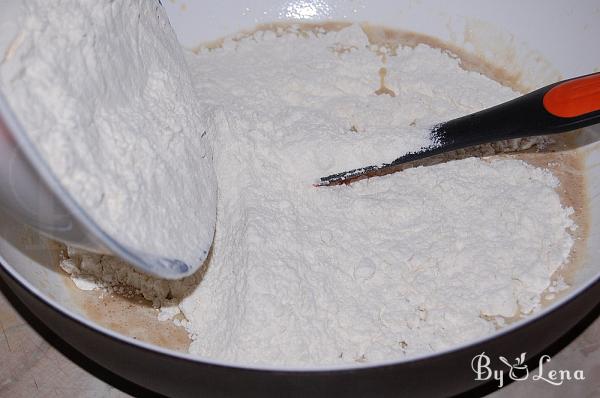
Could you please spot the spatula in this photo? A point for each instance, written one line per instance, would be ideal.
(557, 108)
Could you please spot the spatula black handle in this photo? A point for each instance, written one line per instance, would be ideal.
(559, 107)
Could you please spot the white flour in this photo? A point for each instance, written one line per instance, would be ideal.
(104, 92)
(399, 265)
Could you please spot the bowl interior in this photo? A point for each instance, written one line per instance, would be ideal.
(528, 44)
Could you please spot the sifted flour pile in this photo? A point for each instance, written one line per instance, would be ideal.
(409, 263)
(104, 91)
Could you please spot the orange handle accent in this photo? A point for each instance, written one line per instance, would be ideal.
(575, 97)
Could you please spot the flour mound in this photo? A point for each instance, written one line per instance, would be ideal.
(389, 267)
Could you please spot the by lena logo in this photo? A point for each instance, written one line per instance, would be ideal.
(518, 370)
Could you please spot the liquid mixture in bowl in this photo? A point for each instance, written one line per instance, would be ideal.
(389, 267)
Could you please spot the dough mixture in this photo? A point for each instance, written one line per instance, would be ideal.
(400, 265)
